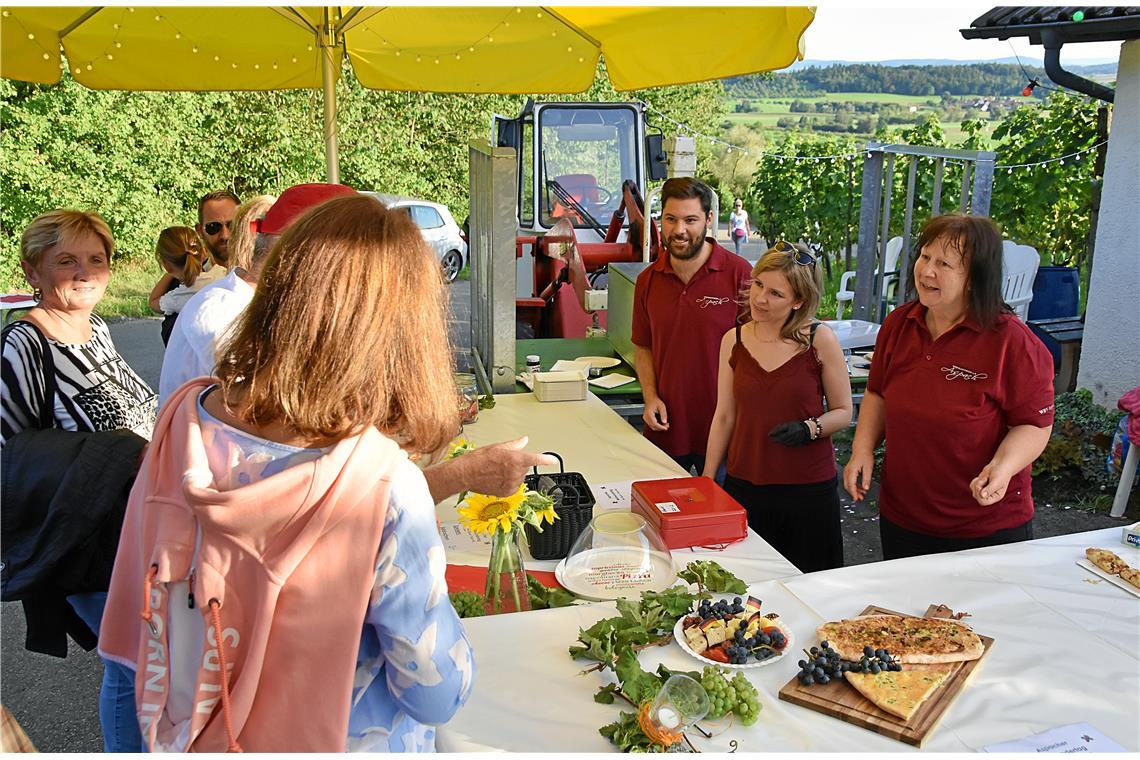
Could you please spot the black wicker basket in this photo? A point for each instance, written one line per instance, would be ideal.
(574, 503)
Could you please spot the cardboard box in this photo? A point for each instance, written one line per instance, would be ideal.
(690, 511)
(1131, 535)
(560, 386)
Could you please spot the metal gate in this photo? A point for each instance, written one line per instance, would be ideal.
(879, 166)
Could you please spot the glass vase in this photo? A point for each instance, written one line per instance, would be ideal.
(506, 577)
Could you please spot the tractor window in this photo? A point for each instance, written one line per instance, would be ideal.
(586, 152)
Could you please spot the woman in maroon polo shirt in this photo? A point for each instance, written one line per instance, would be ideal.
(963, 393)
(770, 416)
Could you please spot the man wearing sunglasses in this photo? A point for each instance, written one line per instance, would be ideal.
(683, 304)
(215, 213)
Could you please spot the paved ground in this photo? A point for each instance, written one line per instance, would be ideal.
(56, 700)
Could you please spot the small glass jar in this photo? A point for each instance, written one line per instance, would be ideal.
(533, 363)
(467, 396)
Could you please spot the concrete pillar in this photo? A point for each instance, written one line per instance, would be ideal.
(1110, 350)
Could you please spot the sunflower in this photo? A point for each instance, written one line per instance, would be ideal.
(547, 513)
(486, 514)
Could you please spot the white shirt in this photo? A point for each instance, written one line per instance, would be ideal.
(174, 301)
(192, 349)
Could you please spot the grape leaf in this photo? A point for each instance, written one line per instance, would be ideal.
(546, 597)
(627, 736)
(605, 695)
(710, 576)
(635, 682)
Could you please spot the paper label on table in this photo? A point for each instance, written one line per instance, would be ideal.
(1076, 737)
(666, 507)
(612, 495)
(611, 381)
(457, 537)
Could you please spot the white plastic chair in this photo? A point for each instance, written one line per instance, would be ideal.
(846, 293)
(1018, 269)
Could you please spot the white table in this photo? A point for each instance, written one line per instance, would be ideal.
(595, 441)
(1067, 650)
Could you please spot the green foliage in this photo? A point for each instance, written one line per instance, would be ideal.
(142, 159)
(710, 576)
(648, 621)
(1082, 432)
(1047, 207)
(542, 597)
(627, 736)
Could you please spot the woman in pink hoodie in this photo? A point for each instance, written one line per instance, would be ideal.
(279, 545)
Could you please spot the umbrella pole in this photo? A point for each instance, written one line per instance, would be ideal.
(331, 160)
(328, 81)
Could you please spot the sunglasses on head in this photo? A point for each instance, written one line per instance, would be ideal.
(802, 258)
(213, 228)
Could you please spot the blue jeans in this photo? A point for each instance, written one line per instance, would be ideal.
(117, 715)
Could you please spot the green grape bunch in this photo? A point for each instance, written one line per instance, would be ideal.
(467, 604)
(737, 696)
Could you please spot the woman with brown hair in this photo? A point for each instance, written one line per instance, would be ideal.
(782, 390)
(302, 550)
(185, 261)
(962, 392)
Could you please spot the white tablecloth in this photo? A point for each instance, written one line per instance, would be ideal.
(1067, 650)
(594, 440)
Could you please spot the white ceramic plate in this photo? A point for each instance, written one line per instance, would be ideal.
(679, 635)
(601, 362)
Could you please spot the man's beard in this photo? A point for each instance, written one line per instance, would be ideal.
(692, 250)
(219, 257)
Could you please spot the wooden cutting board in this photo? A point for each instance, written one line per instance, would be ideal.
(839, 699)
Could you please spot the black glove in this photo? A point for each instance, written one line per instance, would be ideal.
(794, 433)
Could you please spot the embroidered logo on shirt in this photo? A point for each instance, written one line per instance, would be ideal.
(1046, 410)
(953, 372)
(706, 301)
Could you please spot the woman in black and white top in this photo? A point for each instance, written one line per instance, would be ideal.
(60, 369)
(66, 257)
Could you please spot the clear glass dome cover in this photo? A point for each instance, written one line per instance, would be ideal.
(618, 555)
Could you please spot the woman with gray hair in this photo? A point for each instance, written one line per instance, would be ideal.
(60, 369)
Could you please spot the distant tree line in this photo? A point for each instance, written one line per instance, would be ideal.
(967, 79)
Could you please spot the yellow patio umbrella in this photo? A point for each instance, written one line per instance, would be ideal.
(502, 49)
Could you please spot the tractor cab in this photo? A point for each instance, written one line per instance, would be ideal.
(582, 173)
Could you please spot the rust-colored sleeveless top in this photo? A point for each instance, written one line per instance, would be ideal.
(792, 391)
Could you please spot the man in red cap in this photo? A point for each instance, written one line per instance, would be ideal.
(206, 317)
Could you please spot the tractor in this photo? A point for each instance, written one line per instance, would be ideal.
(582, 172)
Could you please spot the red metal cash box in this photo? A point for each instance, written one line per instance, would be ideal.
(690, 511)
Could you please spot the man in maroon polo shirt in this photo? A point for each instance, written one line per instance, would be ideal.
(683, 305)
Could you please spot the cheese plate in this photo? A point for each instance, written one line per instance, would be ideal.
(679, 635)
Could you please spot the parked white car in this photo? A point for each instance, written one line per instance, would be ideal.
(438, 226)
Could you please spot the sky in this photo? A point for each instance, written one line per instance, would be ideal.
(856, 32)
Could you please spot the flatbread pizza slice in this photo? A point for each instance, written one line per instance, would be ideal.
(1132, 575)
(909, 639)
(899, 692)
(1106, 560)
